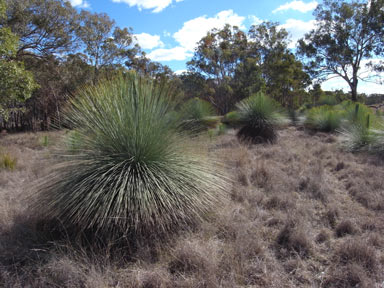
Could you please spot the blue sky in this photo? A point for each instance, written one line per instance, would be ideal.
(168, 30)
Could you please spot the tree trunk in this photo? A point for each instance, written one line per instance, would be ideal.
(353, 86)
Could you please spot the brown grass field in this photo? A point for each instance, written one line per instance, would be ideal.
(302, 213)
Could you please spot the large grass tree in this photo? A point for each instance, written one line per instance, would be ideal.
(128, 168)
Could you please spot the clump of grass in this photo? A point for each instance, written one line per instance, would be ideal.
(44, 141)
(128, 169)
(294, 240)
(358, 252)
(324, 118)
(258, 117)
(345, 227)
(362, 130)
(7, 162)
(197, 115)
(220, 129)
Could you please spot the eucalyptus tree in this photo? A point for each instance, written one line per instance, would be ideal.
(103, 43)
(346, 35)
(44, 27)
(217, 57)
(16, 84)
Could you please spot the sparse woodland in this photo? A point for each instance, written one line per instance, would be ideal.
(241, 172)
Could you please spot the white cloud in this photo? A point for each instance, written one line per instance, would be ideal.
(176, 53)
(179, 72)
(148, 41)
(156, 5)
(298, 6)
(255, 20)
(191, 33)
(195, 29)
(79, 3)
(297, 29)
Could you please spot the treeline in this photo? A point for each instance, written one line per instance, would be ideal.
(49, 50)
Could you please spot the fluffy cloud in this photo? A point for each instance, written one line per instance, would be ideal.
(195, 29)
(255, 20)
(156, 5)
(191, 33)
(79, 3)
(148, 41)
(177, 53)
(298, 6)
(297, 29)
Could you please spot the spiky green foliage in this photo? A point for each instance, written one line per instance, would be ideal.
(128, 169)
(362, 129)
(197, 115)
(324, 118)
(258, 116)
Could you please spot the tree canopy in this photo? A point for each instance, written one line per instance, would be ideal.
(346, 37)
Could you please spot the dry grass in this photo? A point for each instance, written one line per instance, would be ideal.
(303, 214)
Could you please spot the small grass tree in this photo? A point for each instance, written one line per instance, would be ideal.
(197, 115)
(129, 169)
(258, 116)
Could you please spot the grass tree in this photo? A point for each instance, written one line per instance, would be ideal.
(128, 168)
(258, 116)
(324, 118)
(197, 114)
(363, 130)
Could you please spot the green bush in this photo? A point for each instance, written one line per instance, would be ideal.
(258, 117)
(231, 119)
(327, 100)
(197, 115)
(324, 118)
(362, 129)
(129, 169)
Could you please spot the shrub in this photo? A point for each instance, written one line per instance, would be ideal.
(324, 118)
(129, 168)
(258, 117)
(361, 131)
(231, 119)
(7, 161)
(327, 100)
(197, 115)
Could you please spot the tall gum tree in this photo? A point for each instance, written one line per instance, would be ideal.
(347, 35)
(16, 84)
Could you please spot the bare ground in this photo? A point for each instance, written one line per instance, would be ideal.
(302, 213)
